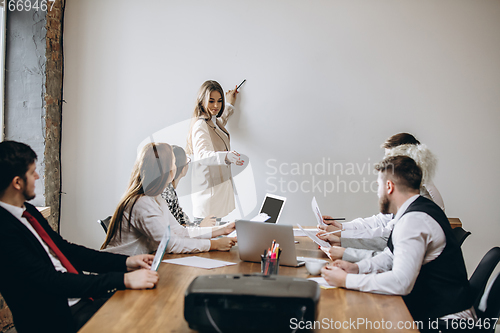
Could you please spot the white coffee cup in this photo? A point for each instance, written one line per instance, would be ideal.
(314, 266)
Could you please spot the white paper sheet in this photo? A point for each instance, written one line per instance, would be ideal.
(312, 234)
(322, 283)
(262, 217)
(199, 262)
(316, 212)
(298, 233)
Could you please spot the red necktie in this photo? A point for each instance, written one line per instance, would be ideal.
(46, 238)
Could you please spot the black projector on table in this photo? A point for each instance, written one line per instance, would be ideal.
(249, 303)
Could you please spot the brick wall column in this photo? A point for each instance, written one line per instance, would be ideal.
(53, 105)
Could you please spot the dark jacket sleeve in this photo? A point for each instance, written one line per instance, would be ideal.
(84, 259)
(25, 261)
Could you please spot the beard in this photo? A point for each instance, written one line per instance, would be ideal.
(384, 204)
(28, 196)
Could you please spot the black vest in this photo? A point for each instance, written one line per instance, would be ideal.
(442, 286)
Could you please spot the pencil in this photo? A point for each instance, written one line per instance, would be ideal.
(332, 232)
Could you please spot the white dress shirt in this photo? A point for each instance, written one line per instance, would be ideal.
(18, 213)
(434, 194)
(379, 225)
(150, 218)
(415, 244)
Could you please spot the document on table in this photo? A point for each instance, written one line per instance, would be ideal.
(262, 217)
(316, 212)
(298, 233)
(312, 234)
(322, 283)
(199, 262)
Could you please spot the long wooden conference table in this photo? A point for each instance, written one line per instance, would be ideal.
(162, 309)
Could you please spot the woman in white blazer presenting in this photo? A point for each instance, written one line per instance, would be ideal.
(208, 142)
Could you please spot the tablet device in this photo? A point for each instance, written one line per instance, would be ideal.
(272, 206)
(255, 237)
(160, 252)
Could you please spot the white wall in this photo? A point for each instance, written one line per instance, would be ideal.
(325, 80)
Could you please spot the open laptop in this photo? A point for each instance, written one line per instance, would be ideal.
(272, 206)
(255, 237)
(270, 211)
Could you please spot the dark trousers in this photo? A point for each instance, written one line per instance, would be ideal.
(85, 309)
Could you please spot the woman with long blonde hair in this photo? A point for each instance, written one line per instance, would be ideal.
(208, 142)
(142, 216)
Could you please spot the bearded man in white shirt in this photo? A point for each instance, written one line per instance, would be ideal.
(422, 261)
(364, 238)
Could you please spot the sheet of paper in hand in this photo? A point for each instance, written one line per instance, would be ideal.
(312, 234)
(316, 212)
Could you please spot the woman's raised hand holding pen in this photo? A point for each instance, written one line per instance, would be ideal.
(231, 96)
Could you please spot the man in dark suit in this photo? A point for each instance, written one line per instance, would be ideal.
(41, 275)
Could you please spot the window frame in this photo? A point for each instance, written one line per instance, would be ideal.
(3, 25)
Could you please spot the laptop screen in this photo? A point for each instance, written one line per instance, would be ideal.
(272, 206)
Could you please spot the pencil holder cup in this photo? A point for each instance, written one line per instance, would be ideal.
(269, 266)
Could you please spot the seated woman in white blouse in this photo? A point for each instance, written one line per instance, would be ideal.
(142, 216)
